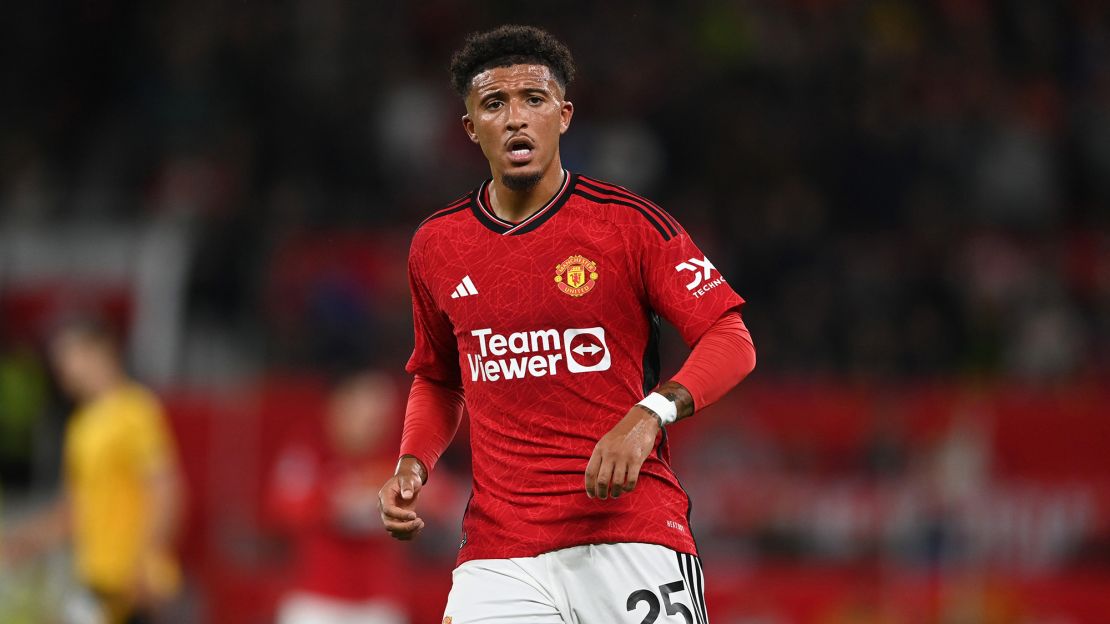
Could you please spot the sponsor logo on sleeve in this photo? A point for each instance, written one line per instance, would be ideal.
(700, 282)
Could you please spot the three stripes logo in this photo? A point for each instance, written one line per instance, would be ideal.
(465, 288)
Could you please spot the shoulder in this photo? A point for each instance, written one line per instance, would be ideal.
(625, 208)
(137, 404)
(444, 220)
(447, 215)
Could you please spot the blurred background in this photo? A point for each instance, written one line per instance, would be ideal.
(912, 196)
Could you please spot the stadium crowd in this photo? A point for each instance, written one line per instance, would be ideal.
(898, 189)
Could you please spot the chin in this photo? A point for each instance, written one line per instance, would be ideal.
(522, 179)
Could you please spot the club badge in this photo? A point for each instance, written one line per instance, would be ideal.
(576, 275)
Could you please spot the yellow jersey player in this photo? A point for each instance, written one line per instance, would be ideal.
(122, 495)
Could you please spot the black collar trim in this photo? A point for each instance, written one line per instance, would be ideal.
(479, 205)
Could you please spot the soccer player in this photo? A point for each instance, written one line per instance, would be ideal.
(122, 495)
(536, 302)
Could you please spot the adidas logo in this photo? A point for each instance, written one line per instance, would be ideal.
(465, 288)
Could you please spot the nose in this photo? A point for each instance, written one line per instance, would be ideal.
(515, 120)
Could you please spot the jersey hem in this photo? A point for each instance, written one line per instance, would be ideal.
(465, 556)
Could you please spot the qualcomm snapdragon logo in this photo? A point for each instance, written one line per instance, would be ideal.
(537, 353)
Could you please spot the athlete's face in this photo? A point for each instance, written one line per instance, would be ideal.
(80, 362)
(516, 114)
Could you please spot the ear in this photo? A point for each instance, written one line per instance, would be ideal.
(468, 126)
(565, 114)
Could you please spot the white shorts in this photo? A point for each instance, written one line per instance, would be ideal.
(595, 584)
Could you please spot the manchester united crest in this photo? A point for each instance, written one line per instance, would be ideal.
(576, 275)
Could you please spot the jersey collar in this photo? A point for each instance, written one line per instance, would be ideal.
(479, 205)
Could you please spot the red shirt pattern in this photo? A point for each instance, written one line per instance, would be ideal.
(550, 326)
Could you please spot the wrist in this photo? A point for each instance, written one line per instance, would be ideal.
(410, 465)
(646, 418)
(663, 408)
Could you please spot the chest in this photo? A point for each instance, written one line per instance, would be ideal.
(570, 276)
(96, 448)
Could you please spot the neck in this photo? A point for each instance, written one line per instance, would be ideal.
(515, 206)
(104, 384)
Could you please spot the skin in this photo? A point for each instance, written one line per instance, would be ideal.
(505, 104)
(518, 102)
(614, 467)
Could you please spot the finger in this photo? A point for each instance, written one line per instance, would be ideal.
(394, 493)
(393, 512)
(604, 478)
(405, 536)
(409, 487)
(633, 476)
(395, 526)
(591, 473)
(616, 486)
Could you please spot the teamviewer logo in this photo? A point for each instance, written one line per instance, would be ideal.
(586, 350)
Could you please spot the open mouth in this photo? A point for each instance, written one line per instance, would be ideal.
(520, 149)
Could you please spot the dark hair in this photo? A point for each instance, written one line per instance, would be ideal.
(510, 45)
(87, 328)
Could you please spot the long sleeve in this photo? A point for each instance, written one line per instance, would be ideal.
(431, 419)
(722, 357)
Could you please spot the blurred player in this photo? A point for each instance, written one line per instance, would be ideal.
(536, 298)
(122, 494)
(347, 570)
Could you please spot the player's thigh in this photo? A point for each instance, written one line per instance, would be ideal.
(634, 584)
(501, 591)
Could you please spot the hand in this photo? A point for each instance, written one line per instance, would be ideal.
(155, 582)
(141, 593)
(615, 464)
(397, 499)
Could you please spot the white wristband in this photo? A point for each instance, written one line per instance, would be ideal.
(662, 406)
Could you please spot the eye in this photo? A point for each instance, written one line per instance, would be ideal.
(493, 104)
(535, 100)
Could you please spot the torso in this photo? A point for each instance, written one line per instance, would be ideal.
(553, 349)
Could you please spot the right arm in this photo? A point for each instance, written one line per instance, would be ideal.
(434, 408)
(431, 419)
(35, 535)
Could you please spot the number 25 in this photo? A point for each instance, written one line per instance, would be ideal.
(646, 595)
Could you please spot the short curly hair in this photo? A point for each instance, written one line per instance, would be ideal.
(510, 45)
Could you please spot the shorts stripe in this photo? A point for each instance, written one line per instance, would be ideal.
(687, 566)
(701, 589)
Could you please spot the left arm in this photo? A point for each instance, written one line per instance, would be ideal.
(164, 493)
(35, 535)
(154, 461)
(154, 581)
(721, 358)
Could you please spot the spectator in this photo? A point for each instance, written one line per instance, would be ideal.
(347, 568)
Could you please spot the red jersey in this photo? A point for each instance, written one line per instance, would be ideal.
(551, 327)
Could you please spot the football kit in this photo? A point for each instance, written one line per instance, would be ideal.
(550, 326)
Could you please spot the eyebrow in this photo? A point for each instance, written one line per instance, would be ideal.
(491, 95)
(501, 93)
